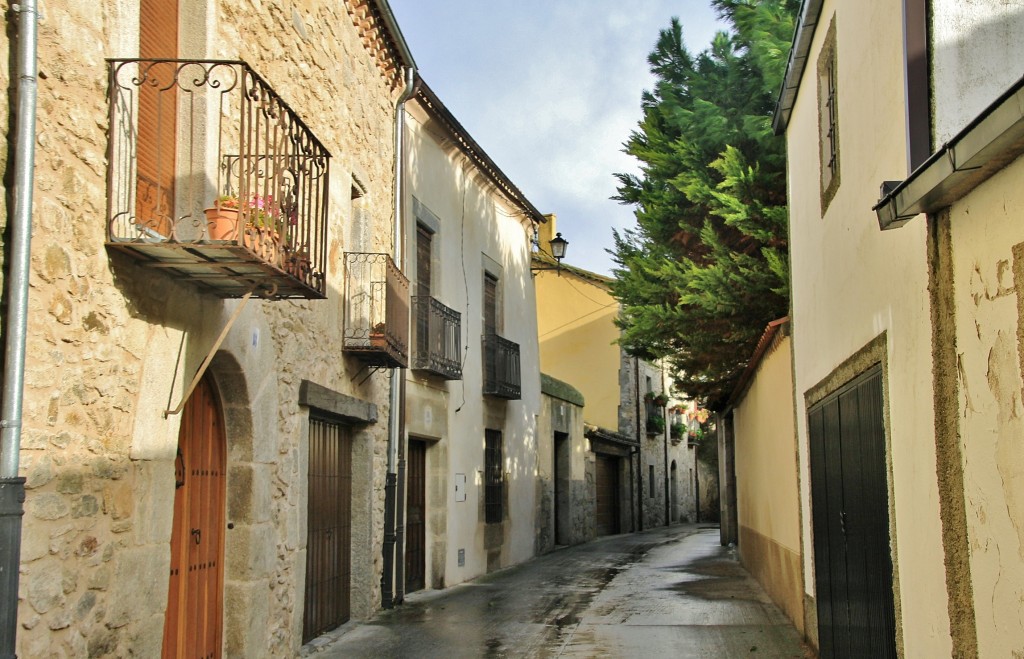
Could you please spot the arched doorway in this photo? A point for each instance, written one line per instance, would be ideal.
(194, 617)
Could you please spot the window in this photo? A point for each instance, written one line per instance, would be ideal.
(828, 118)
(494, 477)
(650, 479)
(360, 231)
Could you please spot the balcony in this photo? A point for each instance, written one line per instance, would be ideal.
(501, 368)
(213, 179)
(437, 338)
(376, 310)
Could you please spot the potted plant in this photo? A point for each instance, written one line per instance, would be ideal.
(677, 430)
(377, 339)
(261, 232)
(657, 398)
(222, 218)
(655, 424)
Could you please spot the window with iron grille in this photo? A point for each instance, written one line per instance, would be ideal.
(494, 477)
(828, 118)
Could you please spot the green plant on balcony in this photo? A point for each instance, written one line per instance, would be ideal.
(677, 430)
(655, 424)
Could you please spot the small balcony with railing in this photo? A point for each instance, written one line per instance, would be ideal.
(437, 338)
(502, 375)
(376, 310)
(213, 179)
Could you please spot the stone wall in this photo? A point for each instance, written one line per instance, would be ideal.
(111, 343)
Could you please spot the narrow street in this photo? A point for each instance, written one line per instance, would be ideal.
(672, 592)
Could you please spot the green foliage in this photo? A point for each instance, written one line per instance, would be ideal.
(706, 268)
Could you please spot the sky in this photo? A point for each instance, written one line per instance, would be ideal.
(550, 89)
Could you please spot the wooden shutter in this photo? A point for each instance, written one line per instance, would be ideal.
(329, 529)
(490, 304)
(424, 241)
(158, 120)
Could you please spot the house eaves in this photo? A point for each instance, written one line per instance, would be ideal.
(542, 260)
(773, 333)
(807, 23)
(990, 142)
(472, 150)
(609, 436)
(382, 37)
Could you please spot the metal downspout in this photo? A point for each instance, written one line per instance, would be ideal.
(396, 399)
(12, 488)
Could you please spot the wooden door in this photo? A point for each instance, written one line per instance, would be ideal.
(329, 529)
(416, 517)
(194, 616)
(562, 485)
(606, 479)
(850, 514)
(158, 117)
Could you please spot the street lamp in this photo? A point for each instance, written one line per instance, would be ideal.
(558, 245)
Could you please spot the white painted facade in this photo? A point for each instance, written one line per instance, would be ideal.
(477, 228)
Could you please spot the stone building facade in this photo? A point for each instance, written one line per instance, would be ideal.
(113, 344)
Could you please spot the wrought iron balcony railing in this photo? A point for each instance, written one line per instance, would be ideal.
(376, 310)
(502, 376)
(214, 179)
(437, 338)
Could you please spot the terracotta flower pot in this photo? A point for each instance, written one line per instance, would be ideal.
(222, 223)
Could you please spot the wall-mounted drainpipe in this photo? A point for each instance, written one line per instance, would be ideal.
(12, 488)
(397, 394)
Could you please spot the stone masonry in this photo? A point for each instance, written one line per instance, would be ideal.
(110, 345)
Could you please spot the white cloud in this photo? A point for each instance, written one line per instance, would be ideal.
(550, 89)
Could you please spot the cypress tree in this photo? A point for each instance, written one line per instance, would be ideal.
(705, 269)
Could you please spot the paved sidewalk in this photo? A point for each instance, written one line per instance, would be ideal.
(669, 592)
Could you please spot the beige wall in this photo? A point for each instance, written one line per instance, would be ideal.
(768, 506)
(104, 341)
(852, 284)
(575, 323)
(988, 270)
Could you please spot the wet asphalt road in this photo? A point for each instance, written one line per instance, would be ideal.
(670, 592)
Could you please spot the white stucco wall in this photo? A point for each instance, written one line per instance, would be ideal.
(977, 53)
(988, 266)
(478, 228)
(852, 283)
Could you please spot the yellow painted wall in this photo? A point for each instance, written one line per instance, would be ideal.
(575, 323)
(768, 505)
(853, 284)
(988, 269)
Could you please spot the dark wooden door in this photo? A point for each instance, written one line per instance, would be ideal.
(193, 619)
(562, 483)
(416, 517)
(850, 514)
(329, 529)
(606, 478)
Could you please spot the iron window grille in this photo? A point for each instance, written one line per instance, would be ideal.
(494, 478)
(502, 376)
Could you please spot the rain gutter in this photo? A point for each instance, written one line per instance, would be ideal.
(990, 142)
(12, 487)
(396, 396)
(807, 22)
